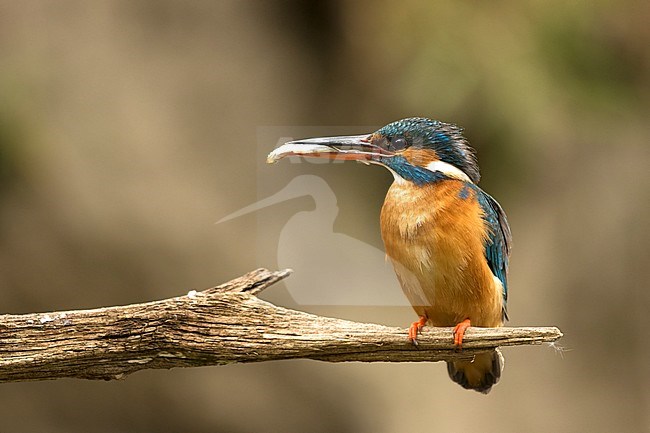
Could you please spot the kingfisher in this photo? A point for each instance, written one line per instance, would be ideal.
(448, 240)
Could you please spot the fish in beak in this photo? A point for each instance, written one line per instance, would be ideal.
(346, 148)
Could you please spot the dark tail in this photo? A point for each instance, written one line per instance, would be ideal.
(478, 374)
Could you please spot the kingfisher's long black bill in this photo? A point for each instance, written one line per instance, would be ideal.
(350, 147)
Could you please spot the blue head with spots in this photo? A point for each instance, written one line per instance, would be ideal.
(418, 141)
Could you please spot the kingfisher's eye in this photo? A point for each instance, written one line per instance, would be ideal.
(397, 143)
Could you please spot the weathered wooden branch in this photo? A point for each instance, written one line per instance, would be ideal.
(222, 325)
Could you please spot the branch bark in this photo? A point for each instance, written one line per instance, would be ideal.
(221, 325)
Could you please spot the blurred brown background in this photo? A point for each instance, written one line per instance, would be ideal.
(127, 128)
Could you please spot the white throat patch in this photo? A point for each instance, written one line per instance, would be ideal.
(448, 170)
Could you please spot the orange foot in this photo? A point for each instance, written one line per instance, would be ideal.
(459, 333)
(415, 328)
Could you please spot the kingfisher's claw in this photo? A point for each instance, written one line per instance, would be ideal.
(459, 333)
(415, 329)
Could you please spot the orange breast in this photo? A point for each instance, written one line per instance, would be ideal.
(434, 236)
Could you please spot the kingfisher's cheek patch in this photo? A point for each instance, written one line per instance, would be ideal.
(419, 157)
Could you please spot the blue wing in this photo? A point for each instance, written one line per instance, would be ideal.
(497, 246)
